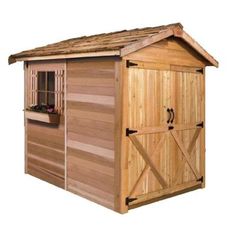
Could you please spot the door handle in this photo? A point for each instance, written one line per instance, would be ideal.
(169, 115)
(173, 115)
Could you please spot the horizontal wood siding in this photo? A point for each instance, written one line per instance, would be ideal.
(44, 142)
(169, 52)
(45, 151)
(90, 129)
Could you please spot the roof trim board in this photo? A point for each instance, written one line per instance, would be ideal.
(146, 42)
(66, 56)
(180, 33)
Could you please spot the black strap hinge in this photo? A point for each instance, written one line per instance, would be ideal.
(200, 70)
(200, 179)
(128, 200)
(129, 63)
(130, 131)
(200, 124)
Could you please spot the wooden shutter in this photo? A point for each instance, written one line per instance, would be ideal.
(59, 91)
(32, 85)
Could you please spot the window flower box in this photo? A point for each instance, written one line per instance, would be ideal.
(51, 118)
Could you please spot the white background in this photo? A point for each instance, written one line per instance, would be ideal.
(29, 206)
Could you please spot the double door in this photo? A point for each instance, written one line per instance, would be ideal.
(165, 132)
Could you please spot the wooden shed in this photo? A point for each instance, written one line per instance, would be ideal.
(118, 118)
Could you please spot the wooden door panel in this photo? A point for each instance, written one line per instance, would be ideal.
(177, 161)
(186, 102)
(149, 97)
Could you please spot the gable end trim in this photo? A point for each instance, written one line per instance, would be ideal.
(146, 42)
(177, 32)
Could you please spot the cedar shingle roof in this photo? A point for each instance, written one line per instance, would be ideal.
(94, 43)
(107, 42)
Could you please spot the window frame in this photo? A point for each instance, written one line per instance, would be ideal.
(31, 91)
(46, 91)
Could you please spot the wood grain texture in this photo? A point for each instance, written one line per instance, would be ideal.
(172, 52)
(95, 45)
(45, 142)
(90, 129)
(151, 92)
(118, 43)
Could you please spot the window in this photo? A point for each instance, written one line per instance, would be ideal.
(46, 88)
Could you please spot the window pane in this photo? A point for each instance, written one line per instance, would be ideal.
(51, 99)
(41, 98)
(41, 80)
(51, 81)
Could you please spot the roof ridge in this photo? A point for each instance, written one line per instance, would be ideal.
(115, 32)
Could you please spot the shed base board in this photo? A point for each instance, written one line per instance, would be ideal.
(47, 177)
(197, 186)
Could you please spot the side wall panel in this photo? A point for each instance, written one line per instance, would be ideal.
(90, 129)
(44, 143)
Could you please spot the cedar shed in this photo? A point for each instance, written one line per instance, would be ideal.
(117, 118)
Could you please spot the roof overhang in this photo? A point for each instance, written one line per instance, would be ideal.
(176, 31)
(12, 59)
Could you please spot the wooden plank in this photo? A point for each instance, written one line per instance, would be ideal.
(145, 42)
(49, 140)
(91, 70)
(91, 82)
(167, 56)
(185, 154)
(101, 65)
(45, 152)
(87, 106)
(91, 166)
(67, 56)
(202, 136)
(93, 158)
(91, 193)
(97, 116)
(53, 167)
(107, 91)
(150, 65)
(149, 130)
(187, 38)
(189, 150)
(146, 168)
(148, 160)
(45, 175)
(91, 140)
(65, 89)
(118, 134)
(97, 99)
(185, 69)
(26, 95)
(90, 176)
(109, 154)
(124, 141)
(166, 191)
(182, 127)
(106, 134)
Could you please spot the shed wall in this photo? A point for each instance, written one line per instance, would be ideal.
(171, 56)
(90, 129)
(44, 143)
(169, 51)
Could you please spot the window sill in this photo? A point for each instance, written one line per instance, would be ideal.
(43, 117)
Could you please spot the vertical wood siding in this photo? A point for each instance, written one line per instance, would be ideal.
(166, 76)
(90, 129)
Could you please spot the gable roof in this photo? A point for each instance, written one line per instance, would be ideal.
(118, 43)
